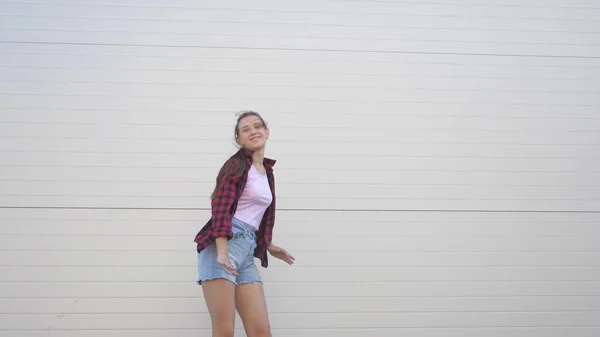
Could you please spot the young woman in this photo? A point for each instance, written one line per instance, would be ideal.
(240, 229)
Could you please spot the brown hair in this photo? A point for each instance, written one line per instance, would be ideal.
(236, 164)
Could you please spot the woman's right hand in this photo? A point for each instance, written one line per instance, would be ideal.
(223, 259)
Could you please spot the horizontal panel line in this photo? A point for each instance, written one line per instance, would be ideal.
(349, 296)
(387, 266)
(346, 141)
(37, 94)
(319, 38)
(319, 235)
(211, 183)
(90, 224)
(317, 127)
(299, 155)
(486, 118)
(411, 236)
(470, 4)
(309, 86)
(595, 282)
(470, 171)
(406, 76)
(269, 11)
(365, 252)
(530, 236)
(294, 11)
(313, 209)
(419, 282)
(287, 23)
(292, 169)
(336, 329)
(125, 313)
(298, 49)
(248, 58)
(142, 196)
(90, 221)
(329, 183)
(134, 126)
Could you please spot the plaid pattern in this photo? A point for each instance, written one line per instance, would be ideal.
(224, 206)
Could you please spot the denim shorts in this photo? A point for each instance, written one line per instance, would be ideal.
(241, 256)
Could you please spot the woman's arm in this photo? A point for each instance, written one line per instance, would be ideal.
(221, 205)
(281, 254)
(222, 232)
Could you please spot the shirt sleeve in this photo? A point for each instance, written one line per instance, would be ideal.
(270, 218)
(221, 205)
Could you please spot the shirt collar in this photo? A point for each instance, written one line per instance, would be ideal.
(267, 162)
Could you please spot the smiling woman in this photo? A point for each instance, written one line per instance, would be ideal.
(438, 168)
(240, 229)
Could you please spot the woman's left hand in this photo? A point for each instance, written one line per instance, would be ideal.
(281, 254)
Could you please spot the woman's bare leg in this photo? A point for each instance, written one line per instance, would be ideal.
(220, 300)
(252, 307)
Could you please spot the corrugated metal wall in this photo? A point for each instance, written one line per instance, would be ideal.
(438, 163)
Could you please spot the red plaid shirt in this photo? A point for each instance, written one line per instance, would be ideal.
(224, 206)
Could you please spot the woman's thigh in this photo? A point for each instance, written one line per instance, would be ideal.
(251, 305)
(219, 295)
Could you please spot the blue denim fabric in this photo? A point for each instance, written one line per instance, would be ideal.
(241, 255)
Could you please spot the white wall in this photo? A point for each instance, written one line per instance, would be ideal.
(438, 166)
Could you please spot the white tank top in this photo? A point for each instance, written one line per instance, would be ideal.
(255, 199)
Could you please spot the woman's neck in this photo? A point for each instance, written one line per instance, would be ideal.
(258, 157)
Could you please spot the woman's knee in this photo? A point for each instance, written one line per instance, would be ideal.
(222, 329)
(259, 329)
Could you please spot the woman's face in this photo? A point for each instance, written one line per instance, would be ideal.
(252, 133)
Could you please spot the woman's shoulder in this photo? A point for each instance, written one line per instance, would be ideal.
(269, 163)
(233, 167)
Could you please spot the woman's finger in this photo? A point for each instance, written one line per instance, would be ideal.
(230, 269)
(289, 256)
(289, 259)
